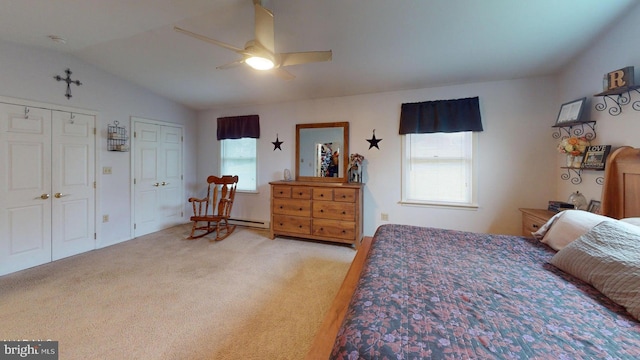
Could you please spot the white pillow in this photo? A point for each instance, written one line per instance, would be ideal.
(633, 221)
(566, 226)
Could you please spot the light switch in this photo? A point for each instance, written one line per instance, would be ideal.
(106, 170)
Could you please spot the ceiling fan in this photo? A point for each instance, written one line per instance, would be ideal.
(260, 53)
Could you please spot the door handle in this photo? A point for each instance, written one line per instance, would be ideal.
(156, 184)
(43, 197)
(59, 195)
(165, 183)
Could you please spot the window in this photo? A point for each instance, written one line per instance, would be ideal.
(239, 157)
(438, 169)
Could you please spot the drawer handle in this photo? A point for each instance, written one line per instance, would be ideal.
(344, 231)
(300, 226)
(321, 195)
(344, 213)
(300, 209)
(300, 193)
(281, 192)
(321, 210)
(281, 207)
(535, 226)
(321, 229)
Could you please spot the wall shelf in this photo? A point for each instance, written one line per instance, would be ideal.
(574, 174)
(618, 98)
(578, 129)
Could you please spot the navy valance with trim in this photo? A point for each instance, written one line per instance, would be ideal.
(441, 116)
(237, 127)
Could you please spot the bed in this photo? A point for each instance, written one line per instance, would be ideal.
(427, 293)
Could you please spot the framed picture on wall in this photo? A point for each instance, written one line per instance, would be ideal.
(571, 112)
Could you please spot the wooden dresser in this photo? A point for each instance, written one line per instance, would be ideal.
(317, 210)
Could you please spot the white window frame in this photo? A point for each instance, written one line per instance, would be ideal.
(241, 182)
(406, 177)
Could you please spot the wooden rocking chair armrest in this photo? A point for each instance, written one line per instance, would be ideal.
(192, 199)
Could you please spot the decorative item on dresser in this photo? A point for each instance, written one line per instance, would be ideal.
(319, 211)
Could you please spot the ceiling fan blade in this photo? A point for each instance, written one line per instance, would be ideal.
(209, 40)
(230, 65)
(296, 58)
(264, 27)
(283, 74)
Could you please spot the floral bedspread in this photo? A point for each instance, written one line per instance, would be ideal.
(430, 293)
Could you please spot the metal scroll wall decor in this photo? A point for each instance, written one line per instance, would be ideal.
(68, 81)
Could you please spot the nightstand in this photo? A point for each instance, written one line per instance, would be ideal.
(533, 219)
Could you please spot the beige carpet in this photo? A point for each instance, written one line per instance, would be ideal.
(163, 297)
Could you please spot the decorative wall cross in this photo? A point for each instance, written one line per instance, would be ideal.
(68, 81)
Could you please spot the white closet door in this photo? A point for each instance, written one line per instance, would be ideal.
(171, 201)
(158, 177)
(73, 192)
(25, 187)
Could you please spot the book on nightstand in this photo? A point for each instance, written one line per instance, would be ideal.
(557, 206)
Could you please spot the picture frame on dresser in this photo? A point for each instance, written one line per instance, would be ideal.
(594, 207)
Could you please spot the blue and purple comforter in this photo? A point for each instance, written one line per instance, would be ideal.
(429, 293)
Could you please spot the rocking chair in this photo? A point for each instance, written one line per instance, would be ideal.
(224, 190)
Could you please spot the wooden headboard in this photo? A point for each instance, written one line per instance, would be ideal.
(621, 191)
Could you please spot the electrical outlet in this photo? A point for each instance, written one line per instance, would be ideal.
(105, 218)
(106, 170)
(384, 217)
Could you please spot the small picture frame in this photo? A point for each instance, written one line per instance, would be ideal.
(595, 157)
(594, 207)
(571, 112)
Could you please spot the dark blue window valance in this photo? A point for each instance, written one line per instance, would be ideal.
(441, 116)
(237, 127)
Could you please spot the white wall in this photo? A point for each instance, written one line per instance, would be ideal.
(27, 73)
(583, 77)
(514, 151)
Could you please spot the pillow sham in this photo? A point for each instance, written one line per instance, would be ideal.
(633, 221)
(566, 226)
(607, 257)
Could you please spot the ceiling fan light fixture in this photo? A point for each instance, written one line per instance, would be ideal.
(259, 63)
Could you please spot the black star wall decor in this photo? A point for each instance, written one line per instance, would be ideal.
(373, 141)
(277, 143)
(68, 81)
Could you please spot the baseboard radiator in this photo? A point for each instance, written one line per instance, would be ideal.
(250, 223)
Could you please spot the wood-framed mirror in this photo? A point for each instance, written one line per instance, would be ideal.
(322, 152)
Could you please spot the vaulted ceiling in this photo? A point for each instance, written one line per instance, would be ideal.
(378, 45)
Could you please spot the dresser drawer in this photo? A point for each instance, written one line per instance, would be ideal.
(301, 193)
(334, 210)
(344, 195)
(292, 207)
(280, 191)
(323, 194)
(531, 224)
(334, 229)
(291, 224)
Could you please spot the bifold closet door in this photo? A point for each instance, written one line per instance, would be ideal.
(158, 177)
(25, 187)
(47, 195)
